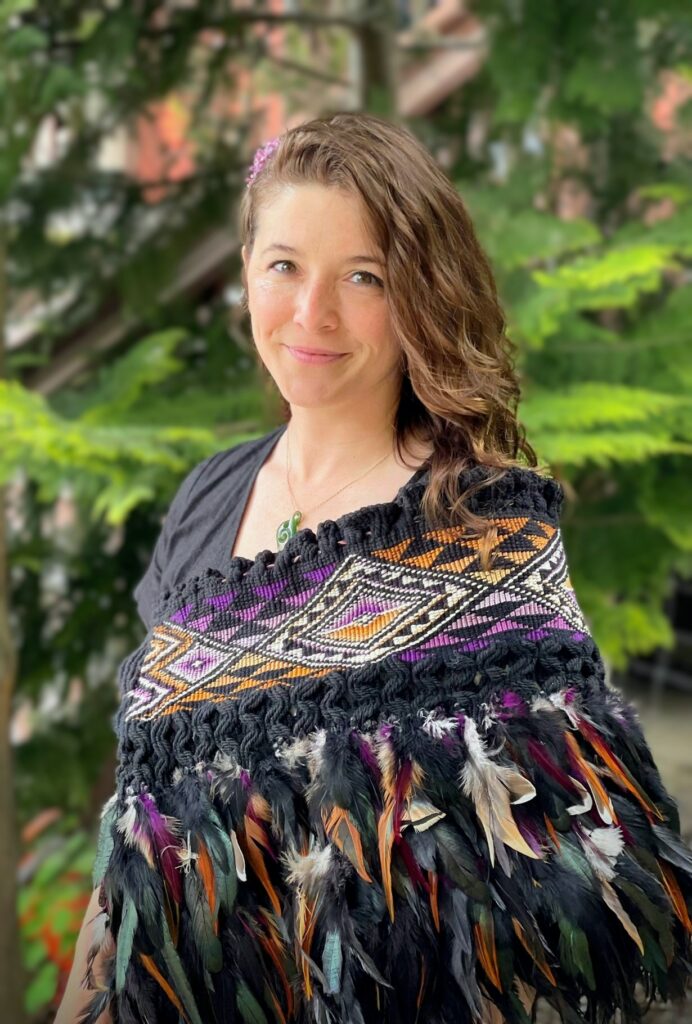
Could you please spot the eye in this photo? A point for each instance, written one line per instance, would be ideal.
(366, 273)
(372, 279)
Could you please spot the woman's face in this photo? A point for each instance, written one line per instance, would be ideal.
(315, 281)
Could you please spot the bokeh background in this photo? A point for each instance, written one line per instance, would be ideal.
(126, 130)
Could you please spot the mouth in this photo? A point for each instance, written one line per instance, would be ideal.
(314, 355)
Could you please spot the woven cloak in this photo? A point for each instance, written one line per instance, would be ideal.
(365, 780)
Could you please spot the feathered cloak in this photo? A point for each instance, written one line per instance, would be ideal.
(365, 780)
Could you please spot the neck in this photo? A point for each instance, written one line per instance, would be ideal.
(325, 447)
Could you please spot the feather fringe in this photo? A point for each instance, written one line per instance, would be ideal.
(441, 869)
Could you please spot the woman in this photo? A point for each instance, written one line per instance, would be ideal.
(369, 768)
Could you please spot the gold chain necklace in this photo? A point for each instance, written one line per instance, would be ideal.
(289, 527)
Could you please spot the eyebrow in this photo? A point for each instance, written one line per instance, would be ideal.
(351, 259)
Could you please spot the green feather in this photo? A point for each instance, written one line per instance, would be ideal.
(177, 976)
(332, 959)
(575, 861)
(226, 876)
(248, 1007)
(458, 864)
(206, 940)
(659, 919)
(574, 952)
(126, 934)
(104, 845)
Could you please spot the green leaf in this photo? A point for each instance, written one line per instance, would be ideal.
(41, 988)
(593, 404)
(25, 41)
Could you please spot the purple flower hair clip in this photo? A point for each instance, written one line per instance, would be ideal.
(262, 154)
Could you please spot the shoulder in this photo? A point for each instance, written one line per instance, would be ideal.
(222, 469)
(519, 490)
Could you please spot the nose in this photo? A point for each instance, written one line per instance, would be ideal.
(315, 306)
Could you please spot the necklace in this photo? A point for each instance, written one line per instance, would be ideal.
(289, 527)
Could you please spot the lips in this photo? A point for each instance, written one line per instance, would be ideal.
(314, 355)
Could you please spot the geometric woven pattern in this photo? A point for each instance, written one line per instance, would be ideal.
(423, 593)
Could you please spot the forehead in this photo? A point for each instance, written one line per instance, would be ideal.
(305, 211)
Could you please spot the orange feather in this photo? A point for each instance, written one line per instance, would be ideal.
(600, 794)
(535, 954)
(156, 974)
(385, 835)
(676, 898)
(206, 870)
(254, 855)
(487, 953)
(421, 987)
(432, 875)
(618, 768)
(340, 828)
(551, 831)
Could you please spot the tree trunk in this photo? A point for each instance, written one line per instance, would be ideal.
(11, 967)
(378, 59)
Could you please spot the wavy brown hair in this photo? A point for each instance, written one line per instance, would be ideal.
(459, 390)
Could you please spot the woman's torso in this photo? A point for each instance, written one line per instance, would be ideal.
(229, 505)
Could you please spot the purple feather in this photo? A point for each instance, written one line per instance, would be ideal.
(556, 773)
(166, 844)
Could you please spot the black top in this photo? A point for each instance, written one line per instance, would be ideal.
(202, 522)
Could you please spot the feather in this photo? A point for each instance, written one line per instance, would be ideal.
(156, 974)
(225, 871)
(574, 952)
(178, 976)
(421, 814)
(126, 932)
(104, 846)
(205, 938)
(165, 838)
(672, 887)
(385, 843)
(484, 932)
(206, 872)
(131, 826)
(618, 769)
(332, 960)
(533, 948)
(601, 799)
(492, 788)
(254, 838)
(341, 829)
(434, 903)
(98, 1005)
(241, 870)
(671, 848)
(612, 901)
(248, 1007)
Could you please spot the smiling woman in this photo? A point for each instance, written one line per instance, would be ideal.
(374, 772)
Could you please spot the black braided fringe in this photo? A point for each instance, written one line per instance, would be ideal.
(254, 725)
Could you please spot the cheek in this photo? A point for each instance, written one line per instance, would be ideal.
(269, 303)
(373, 325)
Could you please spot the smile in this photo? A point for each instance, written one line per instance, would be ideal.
(314, 357)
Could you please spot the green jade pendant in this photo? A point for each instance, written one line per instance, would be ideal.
(287, 529)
